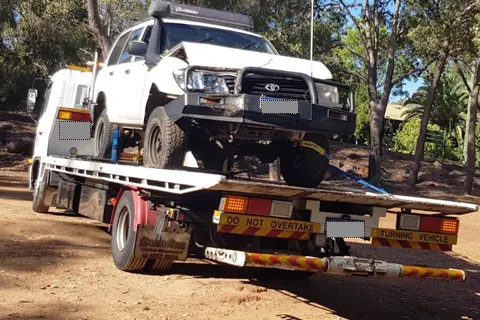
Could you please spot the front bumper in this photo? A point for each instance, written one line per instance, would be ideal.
(247, 109)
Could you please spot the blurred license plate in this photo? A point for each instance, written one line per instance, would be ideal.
(278, 106)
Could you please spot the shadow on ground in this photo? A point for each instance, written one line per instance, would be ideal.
(20, 251)
(352, 298)
(13, 182)
(370, 298)
(48, 311)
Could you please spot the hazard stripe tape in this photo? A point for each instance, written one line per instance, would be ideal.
(263, 232)
(411, 244)
(432, 273)
(298, 262)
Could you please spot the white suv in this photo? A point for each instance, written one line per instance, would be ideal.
(192, 79)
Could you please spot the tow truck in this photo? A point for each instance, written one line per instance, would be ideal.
(161, 216)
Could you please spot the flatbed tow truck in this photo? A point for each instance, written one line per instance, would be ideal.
(159, 216)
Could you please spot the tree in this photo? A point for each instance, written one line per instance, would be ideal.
(380, 57)
(448, 108)
(108, 18)
(446, 25)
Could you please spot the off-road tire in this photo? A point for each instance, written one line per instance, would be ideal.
(305, 167)
(164, 143)
(38, 205)
(102, 147)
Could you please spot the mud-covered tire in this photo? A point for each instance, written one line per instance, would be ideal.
(305, 167)
(38, 205)
(102, 134)
(123, 240)
(164, 142)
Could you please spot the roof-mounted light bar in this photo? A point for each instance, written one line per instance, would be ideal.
(163, 9)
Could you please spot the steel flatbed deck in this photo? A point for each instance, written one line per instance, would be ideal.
(189, 181)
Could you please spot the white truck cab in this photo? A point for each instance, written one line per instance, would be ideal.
(64, 96)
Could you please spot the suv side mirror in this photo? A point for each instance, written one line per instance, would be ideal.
(138, 48)
(31, 100)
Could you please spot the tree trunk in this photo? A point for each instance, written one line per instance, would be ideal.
(420, 148)
(98, 28)
(274, 170)
(375, 158)
(472, 124)
(465, 139)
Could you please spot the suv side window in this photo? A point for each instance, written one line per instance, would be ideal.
(146, 39)
(135, 36)
(117, 50)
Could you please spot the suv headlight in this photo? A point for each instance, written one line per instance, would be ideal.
(202, 81)
(327, 93)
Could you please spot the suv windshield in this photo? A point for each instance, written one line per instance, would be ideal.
(174, 33)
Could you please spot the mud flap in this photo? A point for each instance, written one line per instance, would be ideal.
(172, 246)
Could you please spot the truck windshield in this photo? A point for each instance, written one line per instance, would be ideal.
(174, 33)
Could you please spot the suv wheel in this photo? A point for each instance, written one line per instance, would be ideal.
(164, 142)
(102, 147)
(304, 166)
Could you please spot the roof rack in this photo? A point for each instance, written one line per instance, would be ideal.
(163, 9)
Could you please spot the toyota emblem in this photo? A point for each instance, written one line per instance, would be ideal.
(272, 87)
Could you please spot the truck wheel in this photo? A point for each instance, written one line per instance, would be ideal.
(37, 203)
(102, 147)
(124, 235)
(164, 145)
(123, 240)
(304, 166)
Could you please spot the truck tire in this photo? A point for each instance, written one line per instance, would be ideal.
(164, 144)
(303, 166)
(123, 240)
(102, 147)
(38, 205)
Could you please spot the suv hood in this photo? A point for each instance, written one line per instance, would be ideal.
(207, 55)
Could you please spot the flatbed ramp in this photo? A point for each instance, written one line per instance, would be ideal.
(186, 181)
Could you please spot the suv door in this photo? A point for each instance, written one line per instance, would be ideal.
(134, 74)
(111, 76)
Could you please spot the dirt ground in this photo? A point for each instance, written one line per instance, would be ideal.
(58, 266)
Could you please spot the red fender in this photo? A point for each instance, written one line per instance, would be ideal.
(143, 214)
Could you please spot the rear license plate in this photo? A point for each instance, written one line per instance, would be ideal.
(344, 228)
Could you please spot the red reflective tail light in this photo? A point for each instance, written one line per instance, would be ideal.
(439, 225)
(260, 207)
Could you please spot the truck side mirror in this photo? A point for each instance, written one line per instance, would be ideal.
(31, 100)
(138, 48)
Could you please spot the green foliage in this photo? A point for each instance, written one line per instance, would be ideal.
(407, 137)
(362, 109)
(448, 109)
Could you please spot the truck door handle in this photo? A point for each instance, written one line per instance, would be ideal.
(127, 71)
(111, 73)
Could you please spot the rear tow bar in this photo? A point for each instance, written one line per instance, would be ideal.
(346, 266)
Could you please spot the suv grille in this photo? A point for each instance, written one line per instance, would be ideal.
(230, 80)
(290, 88)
